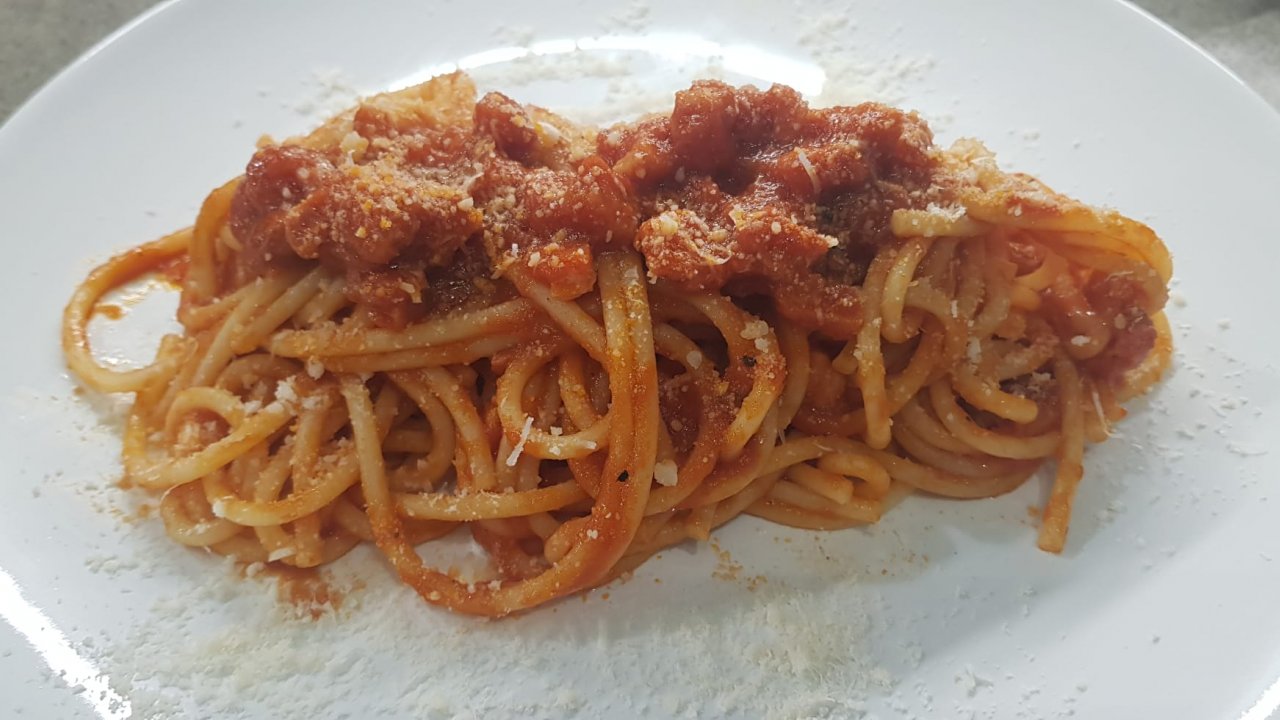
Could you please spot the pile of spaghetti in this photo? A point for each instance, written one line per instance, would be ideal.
(437, 314)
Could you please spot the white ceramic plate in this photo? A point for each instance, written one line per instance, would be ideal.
(1164, 604)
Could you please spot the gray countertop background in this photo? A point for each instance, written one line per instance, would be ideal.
(39, 37)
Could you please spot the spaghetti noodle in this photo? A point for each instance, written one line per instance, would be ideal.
(437, 313)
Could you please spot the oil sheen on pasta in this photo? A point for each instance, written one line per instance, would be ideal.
(439, 314)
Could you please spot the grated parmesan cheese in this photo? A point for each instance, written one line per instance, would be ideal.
(974, 351)
(315, 368)
(665, 473)
(524, 438)
(281, 553)
(809, 170)
(285, 392)
(755, 329)
(952, 212)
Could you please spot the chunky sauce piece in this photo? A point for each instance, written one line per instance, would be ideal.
(757, 188)
(428, 200)
(739, 187)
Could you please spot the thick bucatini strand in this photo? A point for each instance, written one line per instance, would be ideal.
(1057, 511)
(117, 272)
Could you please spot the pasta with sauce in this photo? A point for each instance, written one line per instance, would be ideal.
(437, 314)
